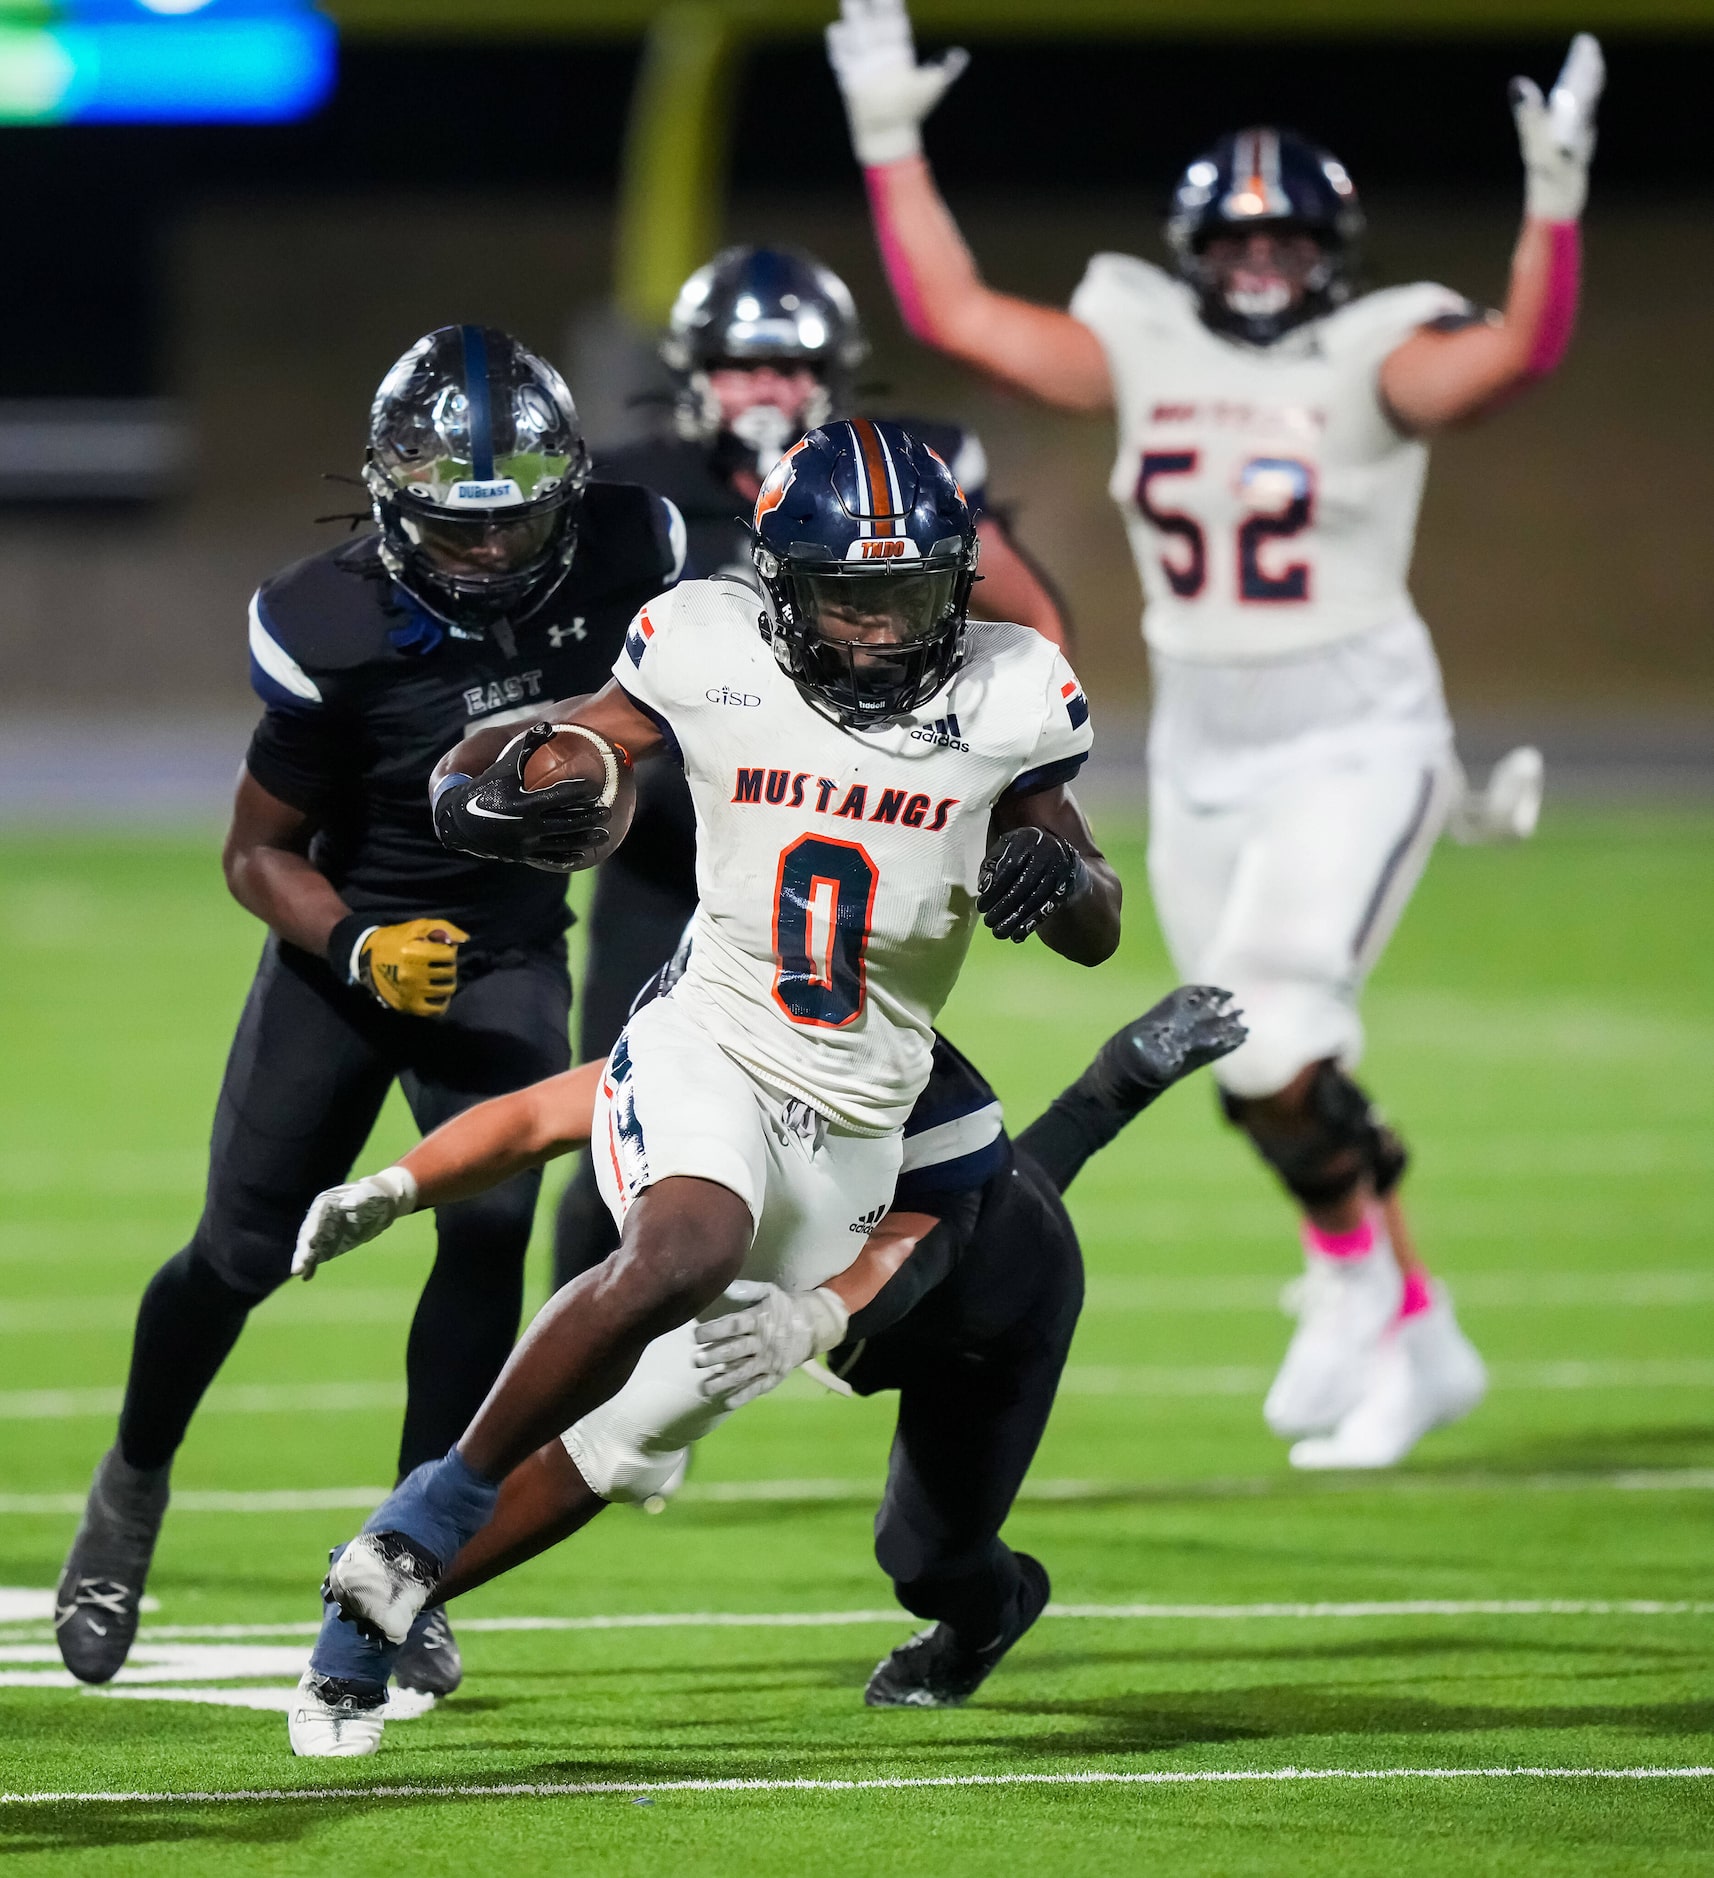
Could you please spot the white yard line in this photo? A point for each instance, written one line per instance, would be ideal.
(1095, 1777)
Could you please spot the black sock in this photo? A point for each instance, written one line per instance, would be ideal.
(1076, 1124)
(187, 1323)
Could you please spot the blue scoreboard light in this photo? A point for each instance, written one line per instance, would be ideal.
(163, 61)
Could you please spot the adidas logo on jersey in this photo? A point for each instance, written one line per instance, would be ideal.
(868, 1222)
(943, 733)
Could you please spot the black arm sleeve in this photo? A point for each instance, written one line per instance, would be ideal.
(936, 1253)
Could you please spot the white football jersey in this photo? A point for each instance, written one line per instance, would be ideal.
(1270, 502)
(836, 869)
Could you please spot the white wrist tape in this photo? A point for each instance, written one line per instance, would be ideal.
(828, 1320)
(399, 1184)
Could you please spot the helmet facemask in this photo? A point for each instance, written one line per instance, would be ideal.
(868, 644)
(1297, 276)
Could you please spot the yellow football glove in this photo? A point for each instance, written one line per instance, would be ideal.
(411, 967)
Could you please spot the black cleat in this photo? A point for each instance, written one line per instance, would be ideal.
(430, 1663)
(100, 1590)
(935, 1670)
(1190, 1027)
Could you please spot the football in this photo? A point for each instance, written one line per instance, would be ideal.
(575, 752)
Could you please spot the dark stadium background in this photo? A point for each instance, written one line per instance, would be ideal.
(264, 277)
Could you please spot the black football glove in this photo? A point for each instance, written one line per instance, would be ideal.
(1190, 1027)
(559, 829)
(1026, 875)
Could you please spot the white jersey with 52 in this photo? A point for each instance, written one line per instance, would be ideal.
(1271, 502)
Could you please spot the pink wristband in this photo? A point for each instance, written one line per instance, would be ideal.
(1559, 315)
(893, 258)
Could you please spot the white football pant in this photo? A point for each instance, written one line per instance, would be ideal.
(1287, 897)
(672, 1102)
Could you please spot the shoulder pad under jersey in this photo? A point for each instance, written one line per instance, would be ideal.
(1132, 292)
(1373, 324)
(328, 613)
(628, 537)
(679, 470)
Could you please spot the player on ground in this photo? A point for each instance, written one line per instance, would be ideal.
(499, 577)
(749, 1119)
(963, 1299)
(763, 344)
(1271, 459)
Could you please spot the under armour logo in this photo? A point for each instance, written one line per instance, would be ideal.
(558, 635)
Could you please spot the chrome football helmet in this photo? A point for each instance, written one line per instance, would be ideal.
(475, 470)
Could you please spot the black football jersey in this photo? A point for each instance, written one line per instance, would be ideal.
(365, 692)
(690, 476)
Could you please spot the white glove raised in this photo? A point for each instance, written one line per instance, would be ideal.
(348, 1216)
(1557, 134)
(887, 94)
(757, 1346)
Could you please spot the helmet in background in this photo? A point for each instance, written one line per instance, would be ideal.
(762, 306)
(475, 470)
(866, 551)
(1266, 180)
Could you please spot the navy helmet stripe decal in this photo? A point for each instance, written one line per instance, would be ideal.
(480, 402)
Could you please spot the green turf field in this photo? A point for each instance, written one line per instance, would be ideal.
(1543, 1027)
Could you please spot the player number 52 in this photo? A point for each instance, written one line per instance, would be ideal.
(1281, 493)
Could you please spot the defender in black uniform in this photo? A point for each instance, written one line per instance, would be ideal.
(964, 1301)
(501, 578)
(764, 344)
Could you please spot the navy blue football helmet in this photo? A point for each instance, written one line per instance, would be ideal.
(475, 471)
(1274, 180)
(866, 551)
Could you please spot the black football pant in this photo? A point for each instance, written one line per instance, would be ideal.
(976, 1365)
(308, 1071)
(635, 922)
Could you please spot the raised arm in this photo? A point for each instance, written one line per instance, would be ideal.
(942, 297)
(1438, 379)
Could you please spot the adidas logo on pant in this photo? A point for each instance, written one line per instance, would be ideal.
(868, 1222)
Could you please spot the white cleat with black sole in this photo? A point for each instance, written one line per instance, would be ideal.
(381, 1581)
(1344, 1308)
(1425, 1374)
(330, 1719)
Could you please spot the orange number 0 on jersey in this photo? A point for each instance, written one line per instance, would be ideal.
(824, 898)
(1281, 491)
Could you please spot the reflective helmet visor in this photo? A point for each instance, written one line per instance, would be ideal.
(874, 611)
(483, 546)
